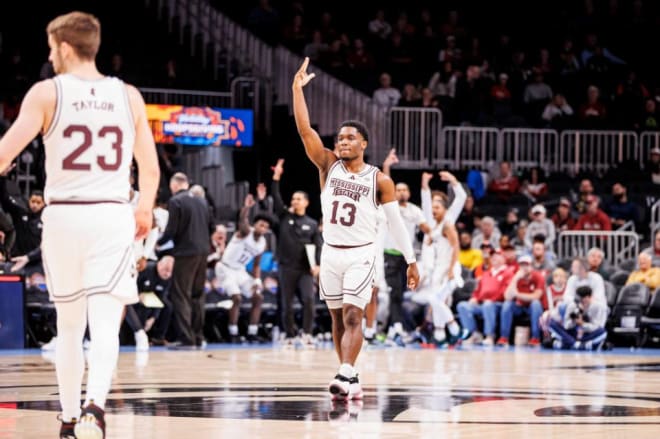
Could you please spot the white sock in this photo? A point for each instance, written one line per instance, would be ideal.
(398, 328)
(439, 334)
(139, 333)
(453, 328)
(233, 329)
(346, 370)
(252, 329)
(369, 332)
(105, 315)
(69, 359)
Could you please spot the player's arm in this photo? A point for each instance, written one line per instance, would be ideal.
(456, 207)
(452, 237)
(244, 216)
(314, 148)
(390, 160)
(256, 273)
(397, 228)
(28, 124)
(146, 157)
(278, 204)
(425, 196)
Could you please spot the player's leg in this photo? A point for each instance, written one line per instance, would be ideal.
(337, 317)
(69, 359)
(370, 316)
(229, 280)
(395, 269)
(256, 298)
(442, 315)
(104, 313)
(333, 264)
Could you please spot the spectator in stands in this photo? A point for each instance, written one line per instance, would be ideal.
(316, 48)
(410, 97)
(468, 256)
(218, 245)
(629, 99)
(443, 86)
(450, 52)
(156, 279)
(593, 113)
(586, 190)
(593, 218)
(486, 301)
(360, 61)
(334, 59)
(486, 252)
(654, 250)
(649, 120)
(506, 184)
(592, 47)
(294, 35)
(428, 100)
(597, 262)
(26, 219)
(466, 219)
(555, 291)
(581, 276)
(386, 96)
(522, 296)
(540, 225)
(557, 113)
(541, 259)
(583, 325)
(263, 21)
(471, 94)
(518, 241)
(537, 95)
(563, 218)
(509, 223)
(645, 274)
(488, 232)
(620, 209)
(400, 56)
(379, 27)
(534, 187)
(653, 166)
(500, 95)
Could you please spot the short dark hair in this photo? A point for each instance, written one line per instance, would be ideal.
(539, 237)
(303, 193)
(263, 217)
(583, 291)
(37, 194)
(359, 126)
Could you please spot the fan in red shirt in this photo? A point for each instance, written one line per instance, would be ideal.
(523, 296)
(506, 184)
(593, 217)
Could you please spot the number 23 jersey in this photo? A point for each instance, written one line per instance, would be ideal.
(89, 144)
(349, 205)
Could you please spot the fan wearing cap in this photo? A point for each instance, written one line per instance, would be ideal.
(593, 217)
(563, 218)
(486, 301)
(540, 225)
(523, 296)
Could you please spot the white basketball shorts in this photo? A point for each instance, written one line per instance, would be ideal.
(235, 281)
(87, 249)
(347, 275)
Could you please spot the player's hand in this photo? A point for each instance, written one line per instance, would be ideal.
(315, 270)
(413, 276)
(249, 201)
(143, 222)
(391, 158)
(302, 77)
(448, 177)
(278, 169)
(141, 264)
(19, 263)
(426, 177)
(450, 275)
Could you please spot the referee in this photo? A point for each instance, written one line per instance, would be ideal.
(296, 229)
(189, 227)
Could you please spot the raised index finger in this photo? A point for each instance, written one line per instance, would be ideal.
(303, 67)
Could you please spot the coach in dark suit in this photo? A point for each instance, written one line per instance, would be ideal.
(295, 230)
(189, 228)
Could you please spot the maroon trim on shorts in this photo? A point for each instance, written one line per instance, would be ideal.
(348, 246)
(83, 202)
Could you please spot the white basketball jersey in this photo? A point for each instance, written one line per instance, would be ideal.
(89, 145)
(442, 252)
(240, 251)
(349, 205)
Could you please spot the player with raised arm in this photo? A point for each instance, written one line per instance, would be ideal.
(351, 191)
(93, 126)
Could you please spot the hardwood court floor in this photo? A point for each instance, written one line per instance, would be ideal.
(275, 393)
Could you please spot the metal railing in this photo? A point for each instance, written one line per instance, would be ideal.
(417, 134)
(596, 151)
(165, 96)
(467, 147)
(647, 141)
(529, 148)
(618, 246)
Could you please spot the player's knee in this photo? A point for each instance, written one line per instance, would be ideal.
(352, 317)
(237, 299)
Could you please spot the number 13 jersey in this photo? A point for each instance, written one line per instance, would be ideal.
(349, 206)
(89, 144)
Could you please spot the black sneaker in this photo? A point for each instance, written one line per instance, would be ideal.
(235, 339)
(254, 339)
(66, 430)
(91, 424)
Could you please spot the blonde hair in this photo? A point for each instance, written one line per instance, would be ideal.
(560, 271)
(80, 30)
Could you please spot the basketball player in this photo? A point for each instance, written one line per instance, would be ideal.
(247, 245)
(93, 126)
(351, 191)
